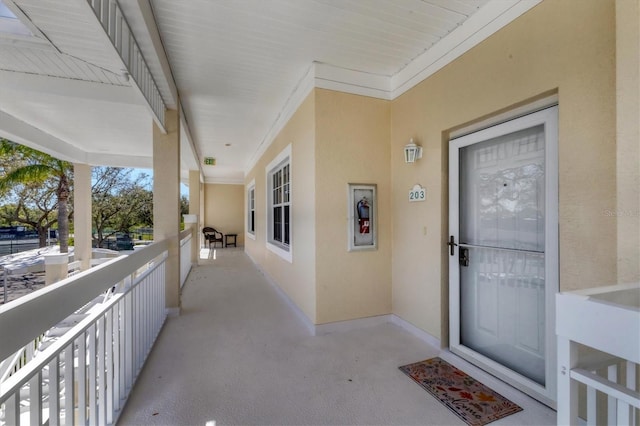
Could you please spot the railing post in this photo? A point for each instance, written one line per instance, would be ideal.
(191, 222)
(567, 388)
(56, 267)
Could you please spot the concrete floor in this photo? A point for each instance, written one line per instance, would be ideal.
(239, 355)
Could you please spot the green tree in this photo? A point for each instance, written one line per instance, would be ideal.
(184, 206)
(119, 201)
(34, 206)
(30, 166)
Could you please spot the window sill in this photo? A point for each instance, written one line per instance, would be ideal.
(251, 236)
(285, 254)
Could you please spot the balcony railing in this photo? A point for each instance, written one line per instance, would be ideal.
(185, 255)
(599, 349)
(85, 374)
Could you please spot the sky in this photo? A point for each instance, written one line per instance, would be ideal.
(184, 189)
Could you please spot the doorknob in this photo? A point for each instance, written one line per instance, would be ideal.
(452, 244)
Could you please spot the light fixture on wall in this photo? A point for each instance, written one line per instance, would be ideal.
(412, 152)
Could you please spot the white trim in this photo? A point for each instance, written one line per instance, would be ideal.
(503, 388)
(286, 152)
(68, 87)
(119, 160)
(304, 319)
(512, 114)
(492, 17)
(548, 117)
(250, 186)
(416, 332)
(298, 95)
(274, 248)
(144, 12)
(286, 255)
(354, 324)
(352, 81)
(488, 20)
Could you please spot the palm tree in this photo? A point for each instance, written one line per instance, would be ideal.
(32, 166)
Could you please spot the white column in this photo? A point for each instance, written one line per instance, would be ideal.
(195, 201)
(55, 267)
(166, 201)
(82, 214)
(202, 204)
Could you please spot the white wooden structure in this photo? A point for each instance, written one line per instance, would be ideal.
(599, 346)
(99, 357)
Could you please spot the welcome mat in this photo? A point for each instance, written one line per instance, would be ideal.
(469, 399)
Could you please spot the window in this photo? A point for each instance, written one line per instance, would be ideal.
(251, 210)
(279, 204)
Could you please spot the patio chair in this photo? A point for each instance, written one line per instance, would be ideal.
(211, 235)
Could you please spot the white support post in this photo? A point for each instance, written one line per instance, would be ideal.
(55, 266)
(35, 397)
(70, 394)
(54, 392)
(166, 201)
(567, 388)
(82, 230)
(612, 406)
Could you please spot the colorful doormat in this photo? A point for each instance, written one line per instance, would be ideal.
(469, 399)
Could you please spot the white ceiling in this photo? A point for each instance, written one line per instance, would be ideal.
(240, 68)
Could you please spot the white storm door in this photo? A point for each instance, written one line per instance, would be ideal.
(503, 248)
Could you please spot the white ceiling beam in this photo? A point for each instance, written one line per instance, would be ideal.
(352, 81)
(24, 133)
(18, 131)
(142, 11)
(10, 80)
(119, 160)
(118, 33)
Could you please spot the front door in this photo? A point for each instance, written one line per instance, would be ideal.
(503, 248)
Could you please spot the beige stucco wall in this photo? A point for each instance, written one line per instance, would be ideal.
(627, 213)
(568, 46)
(224, 209)
(296, 279)
(352, 146)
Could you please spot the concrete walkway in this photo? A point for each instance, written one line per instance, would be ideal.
(238, 355)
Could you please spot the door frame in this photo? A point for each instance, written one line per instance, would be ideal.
(549, 118)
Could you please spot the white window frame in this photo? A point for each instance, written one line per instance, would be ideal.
(283, 159)
(251, 190)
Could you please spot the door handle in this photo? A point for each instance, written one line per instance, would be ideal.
(452, 245)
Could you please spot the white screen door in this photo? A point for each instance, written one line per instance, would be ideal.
(503, 250)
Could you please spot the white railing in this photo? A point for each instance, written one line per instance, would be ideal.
(19, 359)
(85, 375)
(599, 348)
(185, 255)
(74, 268)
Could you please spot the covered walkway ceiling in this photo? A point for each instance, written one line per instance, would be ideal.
(240, 68)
